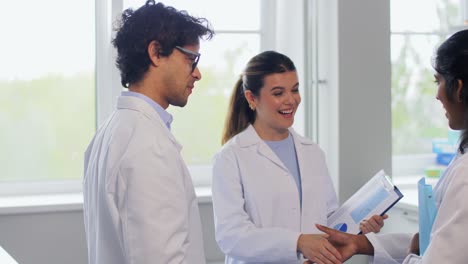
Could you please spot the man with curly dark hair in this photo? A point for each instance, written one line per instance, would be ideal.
(139, 201)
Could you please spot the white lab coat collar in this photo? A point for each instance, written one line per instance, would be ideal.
(249, 137)
(137, 104)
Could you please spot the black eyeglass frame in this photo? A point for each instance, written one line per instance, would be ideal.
(193, 56)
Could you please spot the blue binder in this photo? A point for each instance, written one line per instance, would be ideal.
(427, 214)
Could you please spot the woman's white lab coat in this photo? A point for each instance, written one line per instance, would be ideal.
(139, 201)
(449, 237)
(258, 217)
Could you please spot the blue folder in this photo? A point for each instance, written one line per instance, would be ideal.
(427, 214)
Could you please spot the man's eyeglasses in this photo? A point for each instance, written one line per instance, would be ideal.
(195, 57)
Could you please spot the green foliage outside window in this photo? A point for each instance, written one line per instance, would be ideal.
(417, 117)
(46, 126)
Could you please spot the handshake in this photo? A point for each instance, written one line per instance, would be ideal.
(335, 247)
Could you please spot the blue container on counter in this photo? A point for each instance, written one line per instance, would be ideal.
(445, 150)
(444, 158)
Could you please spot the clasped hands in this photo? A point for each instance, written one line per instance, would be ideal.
(335, 247)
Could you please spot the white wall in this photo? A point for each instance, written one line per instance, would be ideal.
(59, 237)
(44, 237)
(355, 125)
(364, 92)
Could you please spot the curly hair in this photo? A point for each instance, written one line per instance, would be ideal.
(153, 22)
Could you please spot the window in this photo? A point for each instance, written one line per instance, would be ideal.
(59, 82)
(47, 102)
(417, 117)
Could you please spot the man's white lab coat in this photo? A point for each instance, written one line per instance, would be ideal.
(139, 202)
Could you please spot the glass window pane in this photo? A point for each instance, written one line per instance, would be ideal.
(418, 28)
(223, 15)
(199, 124)
(47, 102)
(417, 116)
(424, 15)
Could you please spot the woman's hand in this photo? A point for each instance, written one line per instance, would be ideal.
(373, 224)
(316, 248)
(347, 244)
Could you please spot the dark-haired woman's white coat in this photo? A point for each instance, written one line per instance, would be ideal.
(449, 239)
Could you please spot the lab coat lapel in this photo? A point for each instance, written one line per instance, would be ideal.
(267, 152)
(250, 137)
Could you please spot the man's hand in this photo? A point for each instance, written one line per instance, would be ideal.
(316, 248)
(373, 224)
(343, 242)
(414, 246)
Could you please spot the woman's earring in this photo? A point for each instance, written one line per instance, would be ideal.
(252, 107)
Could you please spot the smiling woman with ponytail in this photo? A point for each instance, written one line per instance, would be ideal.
(240, 114)
(270, 184)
